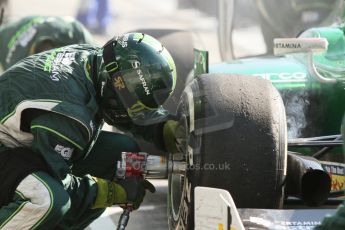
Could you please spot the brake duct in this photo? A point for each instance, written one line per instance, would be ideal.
(307, 180)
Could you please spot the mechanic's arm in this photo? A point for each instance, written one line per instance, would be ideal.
(163, 134)
(61, 141)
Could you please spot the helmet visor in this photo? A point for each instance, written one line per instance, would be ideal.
(143, 90)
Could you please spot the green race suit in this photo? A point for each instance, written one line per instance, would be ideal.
(18, 39)
(48, 103)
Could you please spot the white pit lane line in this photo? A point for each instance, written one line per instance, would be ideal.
(106, 222)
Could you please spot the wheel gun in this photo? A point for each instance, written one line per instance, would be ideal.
(130, 165)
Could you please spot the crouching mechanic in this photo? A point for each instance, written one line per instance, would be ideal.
(35, 34)
(57, 166)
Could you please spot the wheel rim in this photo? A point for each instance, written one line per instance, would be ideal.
(177, 186)
(178, 170)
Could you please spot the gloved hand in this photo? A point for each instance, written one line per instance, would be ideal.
(129, 191)
(174, 136)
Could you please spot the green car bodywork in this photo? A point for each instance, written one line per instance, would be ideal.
(313, 108)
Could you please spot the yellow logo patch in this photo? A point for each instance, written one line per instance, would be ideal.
(119, 84)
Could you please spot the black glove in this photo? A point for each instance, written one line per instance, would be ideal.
(129, 191)
(135, 188)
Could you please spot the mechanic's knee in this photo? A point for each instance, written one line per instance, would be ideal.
(60, 205)
(48, 198)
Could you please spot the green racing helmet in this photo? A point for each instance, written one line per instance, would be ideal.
(141, 75)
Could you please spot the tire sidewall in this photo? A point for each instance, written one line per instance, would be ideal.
(250, 105)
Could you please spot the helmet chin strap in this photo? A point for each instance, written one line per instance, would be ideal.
(109, 56)
(113, 111)
(98, 75)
